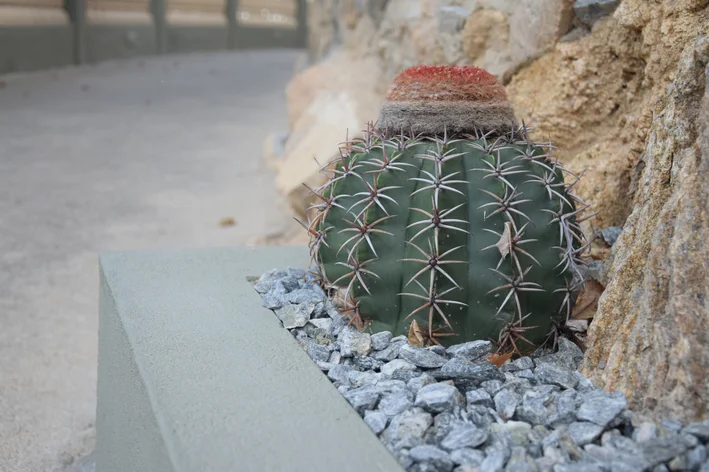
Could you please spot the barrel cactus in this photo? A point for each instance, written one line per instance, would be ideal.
(447, 214)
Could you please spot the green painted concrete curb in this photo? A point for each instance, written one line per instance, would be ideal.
(194, 375)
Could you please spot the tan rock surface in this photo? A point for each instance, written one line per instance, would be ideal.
(594, 97)
(651, 334)
(499, 36)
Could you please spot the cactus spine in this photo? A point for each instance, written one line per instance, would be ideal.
(460, 222)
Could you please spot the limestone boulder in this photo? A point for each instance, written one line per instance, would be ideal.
(502, 35)
(327, 104)
(650, 338)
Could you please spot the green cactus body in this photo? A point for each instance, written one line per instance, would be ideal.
(474, 237)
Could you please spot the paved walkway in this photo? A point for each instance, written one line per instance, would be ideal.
(126, 155)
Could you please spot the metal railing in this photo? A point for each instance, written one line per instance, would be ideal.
(158, 9)
(93, 33)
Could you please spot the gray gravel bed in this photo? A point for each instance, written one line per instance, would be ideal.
(450, 410)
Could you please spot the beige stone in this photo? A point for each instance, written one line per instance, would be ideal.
(650, 338)
(303, 88)
(594, 98)
(317, 138)
(328, 104)
(485, 30)
(500, 35)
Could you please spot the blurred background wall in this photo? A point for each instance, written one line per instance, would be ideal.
(37, 34)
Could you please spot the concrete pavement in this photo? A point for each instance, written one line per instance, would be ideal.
(144, 153)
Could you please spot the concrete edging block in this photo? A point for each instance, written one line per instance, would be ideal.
(195, 375)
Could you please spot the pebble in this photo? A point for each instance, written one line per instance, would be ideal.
(358, 378)
(388, 386)
(665, 448)
(396, 402)
(478, 397)
(463, 436)
(397, 365)
(421, 357)
(696, 457)
(492, 386)
(518, 365)
(644, 432)
(517, 431)
(611, 234)
(439, 397)
(319, 323)
(376, 420)
(339, 373)
(473, 374)
(318, 352)
(390, 352)
(439, 409)
(506, 403)
(362, 398)
(381, 340)
(518, 461)
(275, 296)
(495, 460)
(551, 374)
(467, 456)
(366, 363)
(432, 455)
(294, 316)
(471, 351)
(417, 383)
(410, 423)
(601, 407)
(699, 430)
(311, 295)
(352, 342)
(583, 433)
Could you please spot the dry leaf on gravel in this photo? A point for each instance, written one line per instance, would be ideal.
(415, 336)
(499, 359)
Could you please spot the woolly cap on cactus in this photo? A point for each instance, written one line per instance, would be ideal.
(429, 100)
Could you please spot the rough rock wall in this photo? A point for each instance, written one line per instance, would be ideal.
(595, 96)
(498, 35)
(650, 338)
(620, 98)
